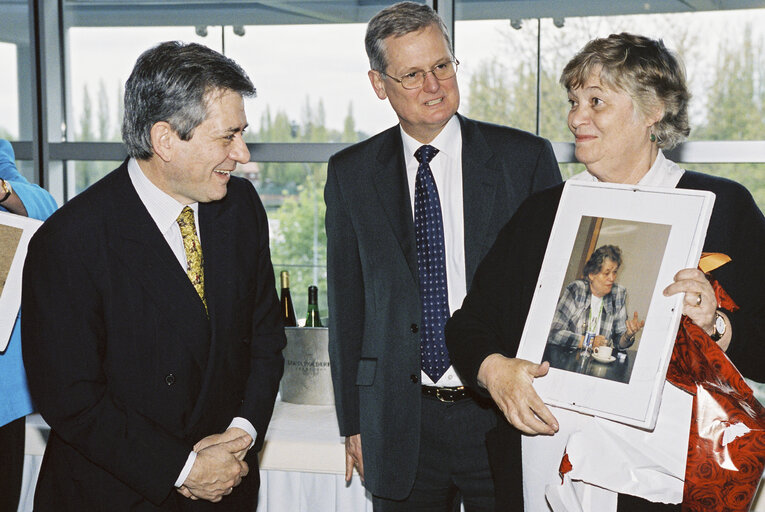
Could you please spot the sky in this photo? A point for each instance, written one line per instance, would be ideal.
(292, 64)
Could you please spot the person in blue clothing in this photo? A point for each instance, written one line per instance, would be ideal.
(20, 197)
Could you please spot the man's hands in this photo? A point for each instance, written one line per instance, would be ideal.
(218, 467)
(353, 457)
(228, 435)
(509, 383)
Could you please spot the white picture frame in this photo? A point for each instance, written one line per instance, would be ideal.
(665, 231)
(15, 233)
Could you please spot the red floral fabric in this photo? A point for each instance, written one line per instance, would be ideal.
(717, 478)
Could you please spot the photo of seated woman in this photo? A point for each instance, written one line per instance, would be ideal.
(601, 310)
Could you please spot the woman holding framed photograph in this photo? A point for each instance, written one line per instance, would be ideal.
(629, 100)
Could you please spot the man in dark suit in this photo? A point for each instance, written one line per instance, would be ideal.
(410, 213)
(151, 324)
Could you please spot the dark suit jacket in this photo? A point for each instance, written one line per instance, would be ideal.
(373, 285)
(122, 361)
(491, 319)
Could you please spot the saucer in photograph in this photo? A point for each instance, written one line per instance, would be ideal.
(609, 359)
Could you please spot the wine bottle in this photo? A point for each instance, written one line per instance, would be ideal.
(288, 310)
(313, 319)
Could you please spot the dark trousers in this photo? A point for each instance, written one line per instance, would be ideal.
(629, 503)
(453, 461)
(11, 463)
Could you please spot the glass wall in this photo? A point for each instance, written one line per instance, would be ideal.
(16, 84)
(724, 69)
(9, 91)
(308, 63)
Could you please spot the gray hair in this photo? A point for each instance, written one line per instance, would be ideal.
(398, 20)
(174, 82)
(646, 70)
(595, 263)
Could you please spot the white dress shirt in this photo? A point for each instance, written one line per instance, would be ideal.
(164, 210)
(446, 167)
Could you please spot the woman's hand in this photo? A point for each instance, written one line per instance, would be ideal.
(634, 325)
(700, 302)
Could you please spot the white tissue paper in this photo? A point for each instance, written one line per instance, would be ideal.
(609, 458)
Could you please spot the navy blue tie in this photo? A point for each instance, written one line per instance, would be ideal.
(431, 264)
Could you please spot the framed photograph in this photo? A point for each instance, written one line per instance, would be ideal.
(598, 314)
(15, 233)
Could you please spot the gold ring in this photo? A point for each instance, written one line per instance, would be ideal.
(698, 301)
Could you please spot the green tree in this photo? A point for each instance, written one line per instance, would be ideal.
(735, 109)
(731, 106)
(86, 173)
(490, 96)
(349, 126)
(104, 124)
(299, 243)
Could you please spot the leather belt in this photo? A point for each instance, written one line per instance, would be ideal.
(446, 394)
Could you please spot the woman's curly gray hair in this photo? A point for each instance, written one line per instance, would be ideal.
(645, 69)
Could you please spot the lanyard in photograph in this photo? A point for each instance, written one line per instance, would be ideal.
(592, 323)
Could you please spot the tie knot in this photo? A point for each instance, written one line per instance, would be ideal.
(186, 217)
(425, 154)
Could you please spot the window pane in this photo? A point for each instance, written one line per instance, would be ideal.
(724, 67)
(85, 173)
(497, 71)
(9, 107)
(99, 72)
(15, 61)
(752, 176)
(318, 92)
(293, 196)
(314, 76)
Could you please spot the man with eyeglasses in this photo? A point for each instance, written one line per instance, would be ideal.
(410, 213)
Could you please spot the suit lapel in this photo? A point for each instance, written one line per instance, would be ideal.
(479, 185)
(392, 187)
(143, 250)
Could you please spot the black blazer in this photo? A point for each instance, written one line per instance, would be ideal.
(122, 360)
(373, 285)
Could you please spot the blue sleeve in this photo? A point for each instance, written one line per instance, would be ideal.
(38, 202)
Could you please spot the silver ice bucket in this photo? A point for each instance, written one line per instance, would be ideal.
(307, 378)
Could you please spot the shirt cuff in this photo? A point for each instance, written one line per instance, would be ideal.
(245, 425)
(186, 469)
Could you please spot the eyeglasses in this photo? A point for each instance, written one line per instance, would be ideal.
(415, 79)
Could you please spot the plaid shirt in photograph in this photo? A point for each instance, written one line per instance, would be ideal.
(573, 310)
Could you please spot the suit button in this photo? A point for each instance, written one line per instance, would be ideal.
(414, 378)
(169, 379)
(414, 328)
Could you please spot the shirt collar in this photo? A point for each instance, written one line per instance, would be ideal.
(162, 207)
(446, 141)
(663, 173)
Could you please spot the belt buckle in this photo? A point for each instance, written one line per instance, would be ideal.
(443, 398)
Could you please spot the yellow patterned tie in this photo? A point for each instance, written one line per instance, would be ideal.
(195, 262)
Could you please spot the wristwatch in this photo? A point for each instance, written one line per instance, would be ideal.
(720, 327)
(6, 190)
